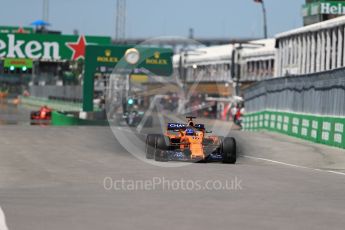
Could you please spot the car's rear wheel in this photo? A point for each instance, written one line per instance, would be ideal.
(162, 146)
(228, 150)
(150, 146)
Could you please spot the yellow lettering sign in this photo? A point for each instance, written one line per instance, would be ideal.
(108, 59)
(156, 62)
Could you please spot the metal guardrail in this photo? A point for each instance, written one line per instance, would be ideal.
(319, 94)
(67, 93)
(54, 104)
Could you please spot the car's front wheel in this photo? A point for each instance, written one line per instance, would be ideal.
(228, 150)
(150, 146)
(162, 146)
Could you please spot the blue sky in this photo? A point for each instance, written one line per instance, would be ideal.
(151, 18)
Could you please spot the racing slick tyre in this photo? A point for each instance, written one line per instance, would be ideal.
(150, 146)
(229, 150)
(162, 146)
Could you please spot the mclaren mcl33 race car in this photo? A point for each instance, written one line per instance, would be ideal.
(43, 116)
(190, 143)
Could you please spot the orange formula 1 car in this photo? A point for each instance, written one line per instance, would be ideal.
(43, 116)
(189, 142)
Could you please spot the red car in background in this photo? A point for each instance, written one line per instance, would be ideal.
(43, 116)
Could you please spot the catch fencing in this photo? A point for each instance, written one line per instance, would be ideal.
(318, 94)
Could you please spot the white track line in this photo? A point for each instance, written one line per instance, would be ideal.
(295, 166)
(3, 225)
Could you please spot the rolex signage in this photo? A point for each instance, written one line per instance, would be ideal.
(48, 47)
(107, 57)
(158, 61)
(139, 62)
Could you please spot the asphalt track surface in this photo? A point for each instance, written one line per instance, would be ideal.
(52, 178)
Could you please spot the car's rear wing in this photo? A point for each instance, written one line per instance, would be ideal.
(178, 126)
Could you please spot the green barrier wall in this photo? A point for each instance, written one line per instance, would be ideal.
(61, 119)
(319, 129)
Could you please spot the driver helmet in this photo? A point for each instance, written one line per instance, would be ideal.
(190, 132)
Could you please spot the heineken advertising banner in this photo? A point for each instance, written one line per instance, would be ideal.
(324, 7)
(47, 46)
